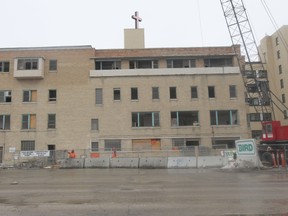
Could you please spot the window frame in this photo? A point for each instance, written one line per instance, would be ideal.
(5, 96)
(94, 124)
(228, 117)
(29, 122)
(211, 92)
(29, 96)
(155, 93)
(116, 94)
(184, 118)
(134, 94)
(173, 93)
(98, 96)
(5, 122)
(53, 65)
(51, 123)
(194, 92)
(27, 145)
(141, 119)
(51, 97)
(4, 66)
(27, 64)
(232, 91)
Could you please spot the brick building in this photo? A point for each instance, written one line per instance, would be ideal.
(78, 97)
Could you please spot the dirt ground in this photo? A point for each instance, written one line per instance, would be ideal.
(153, 192)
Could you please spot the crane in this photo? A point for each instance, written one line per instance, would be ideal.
(255, 79)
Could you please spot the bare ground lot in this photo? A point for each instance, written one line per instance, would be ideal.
(153, 192)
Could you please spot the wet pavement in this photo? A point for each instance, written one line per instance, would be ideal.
(137, 192)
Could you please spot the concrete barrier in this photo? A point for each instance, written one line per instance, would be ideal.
(181, 162)
(72, 163)
(210, 161)
(124, 162)
(97, 162)
(153, 162)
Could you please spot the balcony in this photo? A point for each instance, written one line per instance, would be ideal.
(29, 68)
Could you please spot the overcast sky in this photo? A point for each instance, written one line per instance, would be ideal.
(101, 23)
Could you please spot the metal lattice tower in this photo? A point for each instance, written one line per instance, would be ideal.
(252, 68)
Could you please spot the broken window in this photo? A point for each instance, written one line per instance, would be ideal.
(138, 64)
(27, 64)
(5, 96)
(107, 65)
(184, 118)
(145, 119)
(224, 117)
(181, 63)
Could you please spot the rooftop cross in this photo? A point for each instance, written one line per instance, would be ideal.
(137, 19)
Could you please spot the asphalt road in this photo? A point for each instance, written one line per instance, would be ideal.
(137, 192)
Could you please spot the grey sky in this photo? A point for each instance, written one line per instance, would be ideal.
(100, 23)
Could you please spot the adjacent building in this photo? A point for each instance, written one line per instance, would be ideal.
(274, 52)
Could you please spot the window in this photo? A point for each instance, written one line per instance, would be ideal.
(181, 63)
(29, 121)
(283, 98)
(107, 65)
(218, 62)
(155, 93)
(29, 95)
(282, 83)
(257, 117)
(184, 118)
(278, 54)
(52, 95)
(28, 145)
(53, 65)
(94, 146)
(256, 134)
(134, 93)
(27, 64)
(112, 144)
(254, 101)
(277, 41)
(4, 122)
(280, 69)
(232, 91)
(194, 92)
(116, 94)
(173, 93)
(4, 66)
(145, 119)
(5, 96)
(224, 117)
(211, 91)
(143, 64)
(94, 124)
(99, 96)
(183, 143)
(51, 121)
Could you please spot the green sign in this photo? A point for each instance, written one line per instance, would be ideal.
(245, 147)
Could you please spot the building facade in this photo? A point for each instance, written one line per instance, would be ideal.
(274, 52)
(78, 97)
